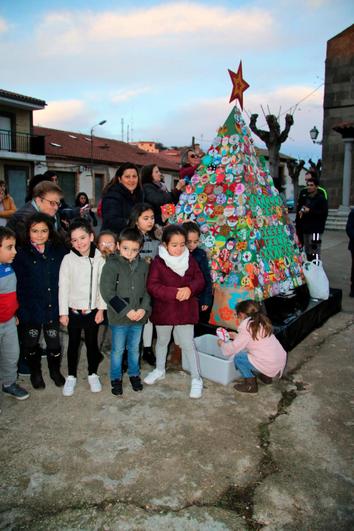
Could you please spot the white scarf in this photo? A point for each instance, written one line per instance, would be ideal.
(178, 264)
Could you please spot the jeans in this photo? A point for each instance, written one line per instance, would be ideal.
(125, 337)
(243, 364)
(77, 323)
(30, 335)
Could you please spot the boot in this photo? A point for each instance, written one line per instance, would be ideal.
(54, 368)
(149, 356)
(264, 378)
(136, 383)
(247, 385)
(34, 363)
(117, 387)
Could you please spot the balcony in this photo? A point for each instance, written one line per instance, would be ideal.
(21, 143)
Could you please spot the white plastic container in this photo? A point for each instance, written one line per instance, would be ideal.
(213, 365)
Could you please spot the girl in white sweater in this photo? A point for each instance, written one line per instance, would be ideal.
(80, 303)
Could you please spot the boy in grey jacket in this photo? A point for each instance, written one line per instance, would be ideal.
(123, 287)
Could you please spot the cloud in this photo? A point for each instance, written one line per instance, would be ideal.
(74, 31)
(202, 118)
(125, 95)
(3, 25)
(65, 114)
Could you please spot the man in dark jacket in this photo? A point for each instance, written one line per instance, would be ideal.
(350, 232)
(312, 219)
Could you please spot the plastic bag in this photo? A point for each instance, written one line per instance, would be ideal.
(316, 279)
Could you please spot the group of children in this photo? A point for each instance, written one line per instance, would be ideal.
(139, 280)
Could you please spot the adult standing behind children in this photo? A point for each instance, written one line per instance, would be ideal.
(123, 287)
(7, 204)
(9, 347)
(37, 265)
(350, 233)
(80, 303)
(174, 283)
(46, 199)
(312, 219)
(189, 163)
(155, 190)
(119, 197)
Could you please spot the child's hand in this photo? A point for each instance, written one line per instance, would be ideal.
(132, 315)
(204, 307)
(64, 320)
(99, 317)
(220, 342)
(140, 314)
(232, 335)
(183, 294)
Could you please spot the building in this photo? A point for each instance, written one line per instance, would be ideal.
(20, 147)
(146, 145)
(85, 163)
(338, 119)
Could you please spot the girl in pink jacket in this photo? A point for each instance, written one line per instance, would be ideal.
(257, 351)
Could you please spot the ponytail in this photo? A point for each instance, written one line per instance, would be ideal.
(259, 324)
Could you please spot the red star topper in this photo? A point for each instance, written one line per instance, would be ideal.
(239, 85)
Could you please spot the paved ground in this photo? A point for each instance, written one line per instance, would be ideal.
(282, 459)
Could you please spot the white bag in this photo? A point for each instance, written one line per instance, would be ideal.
(316, 279)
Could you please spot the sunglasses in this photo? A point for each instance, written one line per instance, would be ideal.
(193, 156)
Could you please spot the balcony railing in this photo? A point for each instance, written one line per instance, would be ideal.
(21, 142)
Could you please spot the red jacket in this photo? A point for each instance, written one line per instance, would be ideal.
(162, 285)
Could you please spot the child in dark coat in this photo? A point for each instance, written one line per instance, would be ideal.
(37, 265)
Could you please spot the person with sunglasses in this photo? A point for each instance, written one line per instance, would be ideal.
(190, 161)
(46, 199)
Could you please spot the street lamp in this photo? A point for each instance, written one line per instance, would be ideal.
(91, 138)
(314, 132)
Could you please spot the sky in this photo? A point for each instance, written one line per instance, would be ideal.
(162, 66)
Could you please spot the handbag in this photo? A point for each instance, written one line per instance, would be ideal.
(316, 279)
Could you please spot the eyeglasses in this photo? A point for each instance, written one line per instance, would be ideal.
(52, 203)
(193, 156)
(107, 244)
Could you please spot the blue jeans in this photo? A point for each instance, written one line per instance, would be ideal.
(243, 364)
(125, 337)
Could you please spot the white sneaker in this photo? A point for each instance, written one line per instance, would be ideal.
(95, 383)
(69, 387)
(196, 388)
(154, 376)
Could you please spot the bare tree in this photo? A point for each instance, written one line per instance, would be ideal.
(273, 140)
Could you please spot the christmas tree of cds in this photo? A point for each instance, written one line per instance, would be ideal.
(244, 225)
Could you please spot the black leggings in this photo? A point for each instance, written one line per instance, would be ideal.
(77, 323)
(29, 335)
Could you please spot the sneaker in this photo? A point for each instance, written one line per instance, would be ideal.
(95, 383)
(117, 387)
(16, 391)
(196, 388)
(69, 387)
(136, 383)
(154, 376)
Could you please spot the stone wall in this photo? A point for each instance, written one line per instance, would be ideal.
(338, 108)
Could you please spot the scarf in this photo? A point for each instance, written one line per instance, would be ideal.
(178, 264)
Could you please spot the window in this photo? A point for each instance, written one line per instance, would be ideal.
(5, 133)
(99, 182)
(66, 181)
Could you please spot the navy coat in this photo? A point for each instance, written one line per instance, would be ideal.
(117, 204)
(37, 283)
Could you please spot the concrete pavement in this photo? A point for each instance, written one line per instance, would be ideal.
(156, 460)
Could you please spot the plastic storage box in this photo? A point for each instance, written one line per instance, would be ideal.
(213, 365)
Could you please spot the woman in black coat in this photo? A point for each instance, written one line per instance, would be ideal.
(155, 191)
(119, 197)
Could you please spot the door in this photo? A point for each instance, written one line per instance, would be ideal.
(16, 179)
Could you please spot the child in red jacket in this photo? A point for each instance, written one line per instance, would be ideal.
(173, 283)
